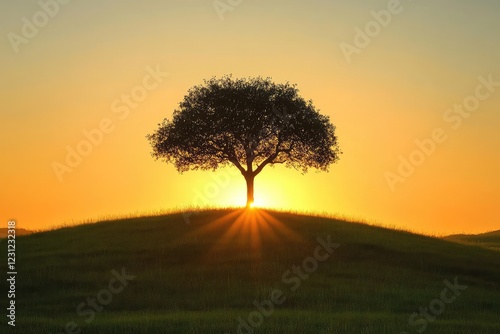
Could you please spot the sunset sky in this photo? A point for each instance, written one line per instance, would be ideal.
(404, 83)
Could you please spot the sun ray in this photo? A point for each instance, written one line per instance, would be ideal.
(251, 229)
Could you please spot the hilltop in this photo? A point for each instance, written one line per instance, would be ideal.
(488, 240)
(258, 271)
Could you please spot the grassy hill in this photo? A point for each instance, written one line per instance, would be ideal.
(236, 271)
(488, 240)
(19, 232)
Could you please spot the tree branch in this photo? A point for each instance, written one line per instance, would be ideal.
(235, 162)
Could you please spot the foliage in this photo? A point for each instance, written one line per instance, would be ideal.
(249, 123)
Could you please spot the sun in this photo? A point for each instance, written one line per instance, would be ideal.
(259, 203)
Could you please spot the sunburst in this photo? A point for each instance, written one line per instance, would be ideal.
(249, 228)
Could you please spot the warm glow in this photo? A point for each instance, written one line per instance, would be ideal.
(255, 225)
(64, 83)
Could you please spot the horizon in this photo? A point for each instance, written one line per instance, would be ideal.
(186, 214)
(414, 101)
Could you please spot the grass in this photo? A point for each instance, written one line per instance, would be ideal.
(488, 240)
(204, 276)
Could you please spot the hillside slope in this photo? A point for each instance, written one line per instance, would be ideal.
(251, 272)
(19, 232)
(488, 240)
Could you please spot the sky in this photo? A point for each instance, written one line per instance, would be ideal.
(413, 88)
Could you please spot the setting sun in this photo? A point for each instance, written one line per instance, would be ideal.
(231, 166)
(89, 155)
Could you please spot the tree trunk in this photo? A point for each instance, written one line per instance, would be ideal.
(249, 178)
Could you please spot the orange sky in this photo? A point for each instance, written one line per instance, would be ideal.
(73, 73)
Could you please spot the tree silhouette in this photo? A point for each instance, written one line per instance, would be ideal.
(249, 123)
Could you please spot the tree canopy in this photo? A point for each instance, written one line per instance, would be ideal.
(249, 123)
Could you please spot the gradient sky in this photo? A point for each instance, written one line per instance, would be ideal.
(67, 76)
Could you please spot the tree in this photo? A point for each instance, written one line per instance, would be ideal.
(249, 123)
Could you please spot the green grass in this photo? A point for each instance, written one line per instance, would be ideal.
(488, 240)
(201, 277)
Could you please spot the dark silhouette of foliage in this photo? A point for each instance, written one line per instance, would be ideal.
(249, 123)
